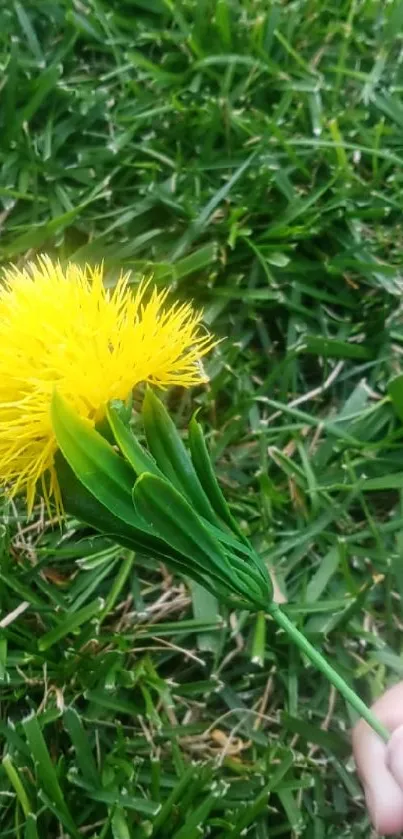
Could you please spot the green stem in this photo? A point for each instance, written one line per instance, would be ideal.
(320, 662)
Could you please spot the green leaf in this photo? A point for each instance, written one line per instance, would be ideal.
(184, 782)
(393, 480)
(129, 802)
(103, 472)
(171, 456)
(46, 772)
(334, 348)
(206, 475)
(326, 569)
(81, 504)
(3, 659)
(29, 32)
(59, 813)
(139, 459)
(206, 607)
(16, 782)
(259, 640)
(78, 735)
(196, 817)
(126, 565)
(395, 391)
(120, 829)
(329, 740)
(30, 827)
(70, 623)
(175, 521)
(206, 213)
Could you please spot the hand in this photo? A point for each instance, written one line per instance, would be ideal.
(380, 766)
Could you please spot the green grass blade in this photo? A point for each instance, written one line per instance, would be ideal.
(17, 784)
(70, 623)
(46, 772)
(85, 759)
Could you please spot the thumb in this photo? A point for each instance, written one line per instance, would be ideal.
(380, 766)
(383, 794)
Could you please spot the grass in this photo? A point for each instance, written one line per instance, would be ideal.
(249, 154)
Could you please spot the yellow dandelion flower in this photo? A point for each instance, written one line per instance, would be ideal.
(60, 328)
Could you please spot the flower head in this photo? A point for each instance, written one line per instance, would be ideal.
(61, 329)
